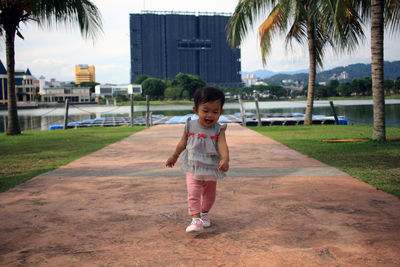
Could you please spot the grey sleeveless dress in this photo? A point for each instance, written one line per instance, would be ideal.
(201, 156)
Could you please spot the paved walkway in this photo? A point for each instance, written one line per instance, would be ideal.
(121, 207)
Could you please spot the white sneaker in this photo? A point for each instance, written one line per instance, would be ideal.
(195, 226)
(205, 219)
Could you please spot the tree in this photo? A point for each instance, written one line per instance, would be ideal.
(388, 85)
(122, 98)
(186, 94)
(188, 82)
(277, 91)
(355, 86)
(377, 8)
(313, 22)
(321, 91)
(91, 85)
(173, 92)
(383, 14)
(344, 89)
(366, 85)
(153, 87)
(332, 86)
(141, 78)
(44, 12)
(397, 85)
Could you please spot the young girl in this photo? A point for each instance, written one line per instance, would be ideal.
(205, 155)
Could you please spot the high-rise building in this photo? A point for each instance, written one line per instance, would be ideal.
(166, 43)
(84, 73)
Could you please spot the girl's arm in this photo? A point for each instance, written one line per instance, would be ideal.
(223, 151)
(179, 148)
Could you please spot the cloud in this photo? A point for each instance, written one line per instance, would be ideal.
(55, 52)
(115, 73)
(49, 68)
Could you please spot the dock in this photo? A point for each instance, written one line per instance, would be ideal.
(283, 119)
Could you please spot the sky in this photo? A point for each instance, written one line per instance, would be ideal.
(54, 52)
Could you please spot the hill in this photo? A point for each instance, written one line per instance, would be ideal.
(264, 74)
(359, 70)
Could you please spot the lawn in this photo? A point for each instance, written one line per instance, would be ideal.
(157, 102)
(376, 163)
(34, 152)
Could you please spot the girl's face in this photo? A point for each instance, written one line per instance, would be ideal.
(209, 113)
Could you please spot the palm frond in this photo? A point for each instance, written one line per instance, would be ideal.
(343, 23)
(363, 8)
(275, 22)
(81, 13)
(298, 31)
(392, 15)
(321, 40)
(244, 16)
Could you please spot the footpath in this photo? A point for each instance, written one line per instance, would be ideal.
(120, 206)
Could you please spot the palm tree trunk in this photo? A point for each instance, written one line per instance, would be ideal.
(312, 72)
(377, 69)
(13, 123)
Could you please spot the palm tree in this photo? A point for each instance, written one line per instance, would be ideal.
(377, 71)
(44, 12)
(384, 14)
(306, 21)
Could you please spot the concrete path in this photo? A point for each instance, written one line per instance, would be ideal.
(121, 207)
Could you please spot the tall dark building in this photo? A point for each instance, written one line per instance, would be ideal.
(166, 43)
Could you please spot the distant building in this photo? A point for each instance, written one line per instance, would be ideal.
(249, 79)
(54, 83)
(166, 43)
(24, 86)
(43, 84)
(110, 91)
(70, 92)
(288, 81)
(342, 76)
(84, 73)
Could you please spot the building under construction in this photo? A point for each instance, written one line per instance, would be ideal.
(166, 43)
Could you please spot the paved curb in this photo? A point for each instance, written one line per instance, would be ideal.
(319, 171)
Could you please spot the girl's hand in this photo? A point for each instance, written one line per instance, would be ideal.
(171, 161)
(179, 148)
(224, 165)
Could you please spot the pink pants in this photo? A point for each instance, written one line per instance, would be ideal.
(201, 194)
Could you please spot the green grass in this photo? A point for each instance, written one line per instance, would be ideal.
(187, 102)
(358, 97)
(34, 152)
(376, 163)
(392, 97)
(396, 96)
(157, 103)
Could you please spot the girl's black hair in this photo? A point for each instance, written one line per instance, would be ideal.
(208, 94)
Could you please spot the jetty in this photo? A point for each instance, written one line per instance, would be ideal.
(283, 119)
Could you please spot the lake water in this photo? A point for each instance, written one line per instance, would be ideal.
(357, 112)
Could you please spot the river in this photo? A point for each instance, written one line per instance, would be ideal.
(357, 112)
